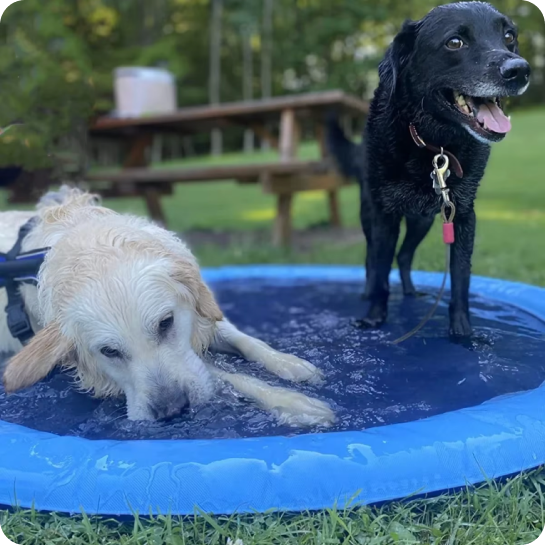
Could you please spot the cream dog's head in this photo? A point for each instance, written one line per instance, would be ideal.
(123, 304)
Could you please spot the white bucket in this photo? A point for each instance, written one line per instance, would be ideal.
(144, 91)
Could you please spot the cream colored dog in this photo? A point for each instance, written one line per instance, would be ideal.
(121, 302)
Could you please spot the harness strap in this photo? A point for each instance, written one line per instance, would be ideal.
(17, 268)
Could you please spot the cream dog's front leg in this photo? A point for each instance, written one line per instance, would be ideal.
(292, 408)
(286, 366)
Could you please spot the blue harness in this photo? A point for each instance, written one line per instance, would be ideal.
(18, 268)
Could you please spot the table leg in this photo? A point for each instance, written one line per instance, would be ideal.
(153, 203)
(334, 208)
(288, 143)
(282, 226)
(137, 158)
(289, 136)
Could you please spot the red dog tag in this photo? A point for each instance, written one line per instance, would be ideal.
(448, 233)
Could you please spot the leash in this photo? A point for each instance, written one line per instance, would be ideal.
(439, 174)
(431, 312)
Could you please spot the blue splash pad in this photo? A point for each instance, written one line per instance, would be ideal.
(380, 448)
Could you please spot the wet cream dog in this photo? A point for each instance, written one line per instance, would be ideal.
(121, 302)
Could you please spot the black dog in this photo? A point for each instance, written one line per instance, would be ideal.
(441, 83)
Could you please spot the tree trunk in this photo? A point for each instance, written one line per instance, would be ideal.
(215, 68)
(248, 82)
(266, 55)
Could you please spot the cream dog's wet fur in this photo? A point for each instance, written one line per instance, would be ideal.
(121, 302)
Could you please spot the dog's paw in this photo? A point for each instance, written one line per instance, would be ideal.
(295, 369)
(375, 318)
(408, 288)
(415, 293)
(459, 325)
(300, 411)
(286, 366)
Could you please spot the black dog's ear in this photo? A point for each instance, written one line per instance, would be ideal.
(398, 54)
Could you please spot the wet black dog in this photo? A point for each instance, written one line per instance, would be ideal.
(445, 75)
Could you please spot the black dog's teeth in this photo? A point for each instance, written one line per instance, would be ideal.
(462, 104)
(468, 105)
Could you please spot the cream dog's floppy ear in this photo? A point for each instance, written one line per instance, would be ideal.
(189, 275)
(37, 359)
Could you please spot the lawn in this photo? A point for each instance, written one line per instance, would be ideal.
(511, 221)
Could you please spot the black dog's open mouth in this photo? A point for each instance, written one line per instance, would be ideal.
(484, 115)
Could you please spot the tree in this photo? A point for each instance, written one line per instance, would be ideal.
(244, 18)
(46, 79)
(57, 62)
(266, 54)
(215, 67)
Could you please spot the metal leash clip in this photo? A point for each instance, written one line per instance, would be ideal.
(440, 174)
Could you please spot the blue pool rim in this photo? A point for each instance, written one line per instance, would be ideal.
(501, 437)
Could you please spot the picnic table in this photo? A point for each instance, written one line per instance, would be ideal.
(282, 178)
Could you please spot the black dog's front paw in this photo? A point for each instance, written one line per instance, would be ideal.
(408, 287)
(459, 325)
(414, 293)
(375, 317)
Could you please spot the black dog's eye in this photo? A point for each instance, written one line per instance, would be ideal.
(509, 37)
(111, 353)
(166, 324)
(455, 43)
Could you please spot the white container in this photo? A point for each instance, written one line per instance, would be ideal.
(144, 91)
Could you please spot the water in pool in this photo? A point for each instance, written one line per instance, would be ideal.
(369, 382)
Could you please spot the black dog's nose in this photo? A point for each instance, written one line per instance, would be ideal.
(515, 71)
(168, 407)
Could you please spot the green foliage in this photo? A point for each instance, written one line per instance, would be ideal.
(57, 57)
(45, 80)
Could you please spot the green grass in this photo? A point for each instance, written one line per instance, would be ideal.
(511, 222)
(506, 514)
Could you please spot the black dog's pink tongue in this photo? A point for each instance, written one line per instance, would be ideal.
(491, 115)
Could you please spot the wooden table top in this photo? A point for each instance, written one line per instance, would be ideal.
(248, 113)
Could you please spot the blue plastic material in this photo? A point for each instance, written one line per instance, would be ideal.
(503, 436)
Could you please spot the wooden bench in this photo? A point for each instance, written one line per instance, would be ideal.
(282, 180)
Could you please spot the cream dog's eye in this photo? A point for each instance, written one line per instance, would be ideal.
(110, 353)
(166, 324)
